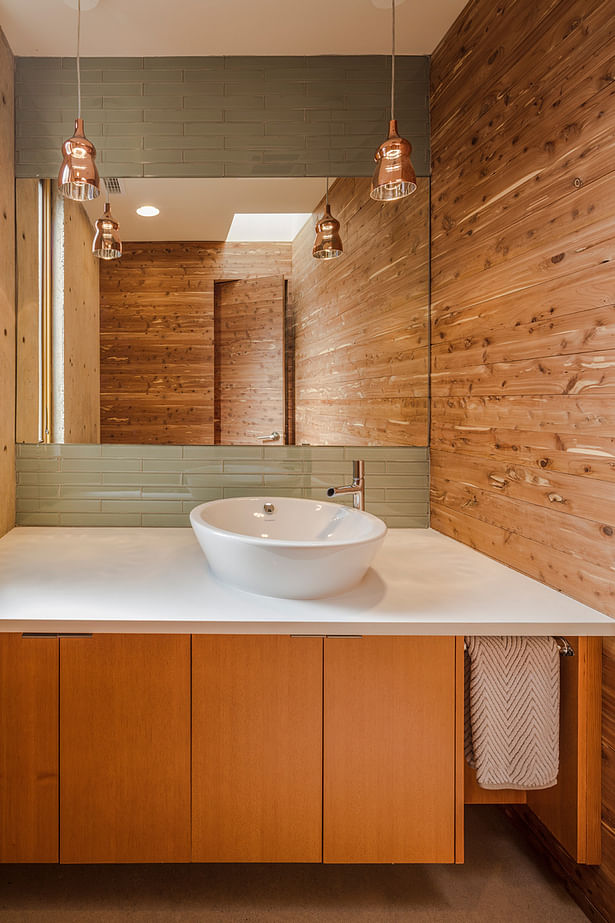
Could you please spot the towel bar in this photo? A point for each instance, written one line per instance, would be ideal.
(565, 648)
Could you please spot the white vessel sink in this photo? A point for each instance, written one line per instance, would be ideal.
(301, 549)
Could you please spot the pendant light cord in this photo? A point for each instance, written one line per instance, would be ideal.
(327, 194)
(78, 59)
(393, 60)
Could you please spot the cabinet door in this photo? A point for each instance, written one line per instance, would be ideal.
(125, 748)
(571, 809)
(28, 749)
(390, 753)
(257, 748)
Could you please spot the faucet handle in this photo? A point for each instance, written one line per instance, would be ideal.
(358, 469)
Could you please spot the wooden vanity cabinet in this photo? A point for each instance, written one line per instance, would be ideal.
(261, 748)
(28, 749)
(256, 748)
(391, 754)
(125, 748)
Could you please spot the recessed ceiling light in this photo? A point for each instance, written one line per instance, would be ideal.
(148, 211)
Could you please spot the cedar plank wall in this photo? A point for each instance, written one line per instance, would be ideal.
(360, 323)
(523, 315)
(156, 335)
(7, 291)
(249, 360)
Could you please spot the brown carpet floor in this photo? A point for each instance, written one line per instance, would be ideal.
(501, 882)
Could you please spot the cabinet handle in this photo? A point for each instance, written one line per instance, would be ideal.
(326, 636)
(56, 634)
(341, 637)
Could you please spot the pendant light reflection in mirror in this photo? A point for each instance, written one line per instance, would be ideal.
(107, 244)
(394, 176)
(78, 178)
(328, 244)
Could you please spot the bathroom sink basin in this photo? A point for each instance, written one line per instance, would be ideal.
(278, 546)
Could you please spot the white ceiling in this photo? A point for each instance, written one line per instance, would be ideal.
(203, 209)
(226, 27)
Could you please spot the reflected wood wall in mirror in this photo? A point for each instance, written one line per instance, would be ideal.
(361, 323)
(159, 363)
(217, 326)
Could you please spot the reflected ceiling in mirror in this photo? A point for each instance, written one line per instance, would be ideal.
(204, 209)
(217, 325)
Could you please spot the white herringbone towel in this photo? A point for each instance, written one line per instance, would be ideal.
(512, 711)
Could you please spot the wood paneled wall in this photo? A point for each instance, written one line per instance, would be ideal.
(249, 360)
(156, 335)
(81, 325)
(7, 290)
(523, 310)
(360, 323)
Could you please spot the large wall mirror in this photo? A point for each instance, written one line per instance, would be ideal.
(217, 325)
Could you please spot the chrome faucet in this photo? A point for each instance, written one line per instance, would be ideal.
(357, 488)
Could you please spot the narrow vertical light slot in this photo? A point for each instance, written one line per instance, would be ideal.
(46, 339)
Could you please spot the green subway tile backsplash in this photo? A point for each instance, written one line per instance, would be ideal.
(252, 116)
(130, 485)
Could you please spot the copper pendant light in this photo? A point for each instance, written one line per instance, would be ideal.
(328, 243)
(394, 176)
(78, 178)
(107, 244)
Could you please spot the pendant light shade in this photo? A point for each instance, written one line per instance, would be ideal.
(328, 243)
(394, 176)
(78, 178)
(107, 244)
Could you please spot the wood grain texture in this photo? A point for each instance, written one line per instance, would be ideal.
(390, 750)
(569, 809)
(7, 289)
(157, 335)
(257, 748)
(28, 749)
(249, 360)
(125, 748)
(523, 315)
(27, 299)
(81, 396)
(360, 323)
(460, 762)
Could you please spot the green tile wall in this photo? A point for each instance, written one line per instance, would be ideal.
(226, 116)
(124, 485)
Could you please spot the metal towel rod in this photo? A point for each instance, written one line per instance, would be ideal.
(565, 648)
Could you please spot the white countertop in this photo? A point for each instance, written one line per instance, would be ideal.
(157, 580)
